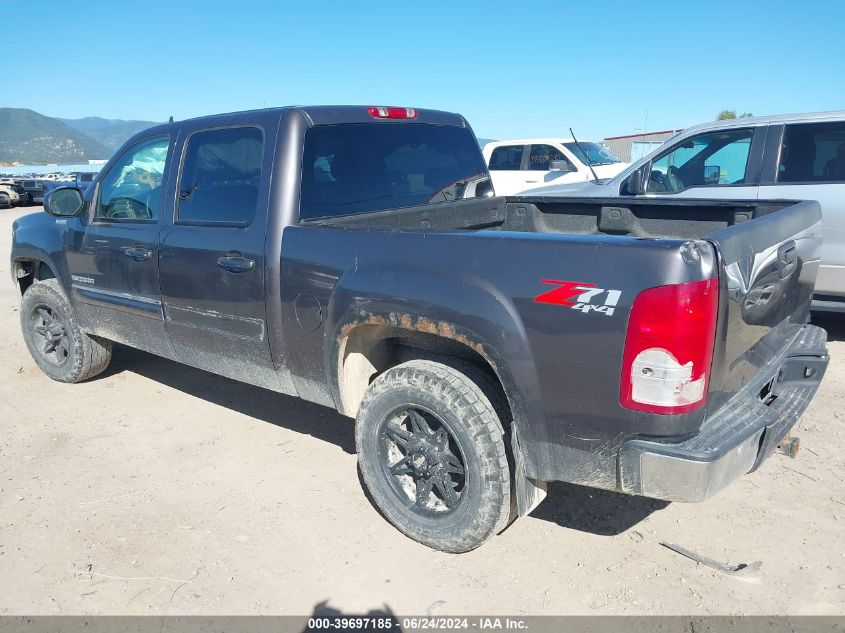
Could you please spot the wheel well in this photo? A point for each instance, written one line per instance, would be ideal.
(28, 271)
(370, 350)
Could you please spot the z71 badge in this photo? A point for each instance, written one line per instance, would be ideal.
(580, 296)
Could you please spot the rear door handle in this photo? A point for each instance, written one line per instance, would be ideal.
(235, 263)
(138, 252)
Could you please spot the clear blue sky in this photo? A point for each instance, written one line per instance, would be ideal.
(512, 68)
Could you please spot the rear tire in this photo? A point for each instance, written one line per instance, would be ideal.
(51, 331)
(431, 450)
(5, 201)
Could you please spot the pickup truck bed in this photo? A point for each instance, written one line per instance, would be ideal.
(570, 429)
(485, 345)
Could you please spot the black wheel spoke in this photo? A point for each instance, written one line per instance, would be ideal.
(452, 464)
(398, 435)
(418, 424)
(40, 329)
(446, 487)
(402, 467)
(423, 492)
(45, 316)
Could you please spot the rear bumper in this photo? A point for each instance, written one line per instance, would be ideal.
(737, 438)
(827, 303)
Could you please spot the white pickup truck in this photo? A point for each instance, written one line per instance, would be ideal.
(519, 165)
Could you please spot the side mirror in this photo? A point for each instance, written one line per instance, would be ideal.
(561, 165)
(712, 173)
(484, 189)
(64, 202)
(635, 185)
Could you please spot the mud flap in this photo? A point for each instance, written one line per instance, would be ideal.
(529, 492)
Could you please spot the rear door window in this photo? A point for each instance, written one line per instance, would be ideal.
(221, 175)
(506, 158)
(361, 167)
(813, 152)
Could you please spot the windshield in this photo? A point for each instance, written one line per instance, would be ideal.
(595, 153)
(361, 167)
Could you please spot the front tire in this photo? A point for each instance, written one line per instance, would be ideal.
(52, 334)
(432, 454)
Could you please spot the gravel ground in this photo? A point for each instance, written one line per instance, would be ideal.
(157, 488)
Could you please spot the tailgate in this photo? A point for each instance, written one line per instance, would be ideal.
(768, 268)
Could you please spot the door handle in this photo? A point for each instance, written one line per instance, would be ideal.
(235, 263)
(138, 252)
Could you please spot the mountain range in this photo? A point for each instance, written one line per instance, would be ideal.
(32, 138)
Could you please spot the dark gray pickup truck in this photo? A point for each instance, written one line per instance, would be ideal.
(357, 257)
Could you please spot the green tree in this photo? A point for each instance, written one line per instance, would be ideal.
(731, 114)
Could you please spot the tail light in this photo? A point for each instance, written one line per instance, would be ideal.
(391, 112)
(669, 348)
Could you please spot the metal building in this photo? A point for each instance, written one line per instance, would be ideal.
(632, 147)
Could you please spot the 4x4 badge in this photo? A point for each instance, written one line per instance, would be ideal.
(580, 296)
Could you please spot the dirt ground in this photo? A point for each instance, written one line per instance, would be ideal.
(157, 488)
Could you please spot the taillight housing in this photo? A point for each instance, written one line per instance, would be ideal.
(391, 112)
(669, 348)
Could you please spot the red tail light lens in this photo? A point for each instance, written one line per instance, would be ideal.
(391, 112)
(669, 348)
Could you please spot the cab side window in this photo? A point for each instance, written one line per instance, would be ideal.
(131, 190)
(221, 175)
(542, 155)
(506, 158)
(711, 159)
(813, 152)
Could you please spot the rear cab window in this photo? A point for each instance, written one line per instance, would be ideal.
(812, 153)
(362, 167)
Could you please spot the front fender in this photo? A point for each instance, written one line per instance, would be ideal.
(41, 237)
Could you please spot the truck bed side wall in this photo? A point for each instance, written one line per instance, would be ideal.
(559, 366)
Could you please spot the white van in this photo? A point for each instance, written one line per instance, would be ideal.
(525, 164)
(793, 157)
